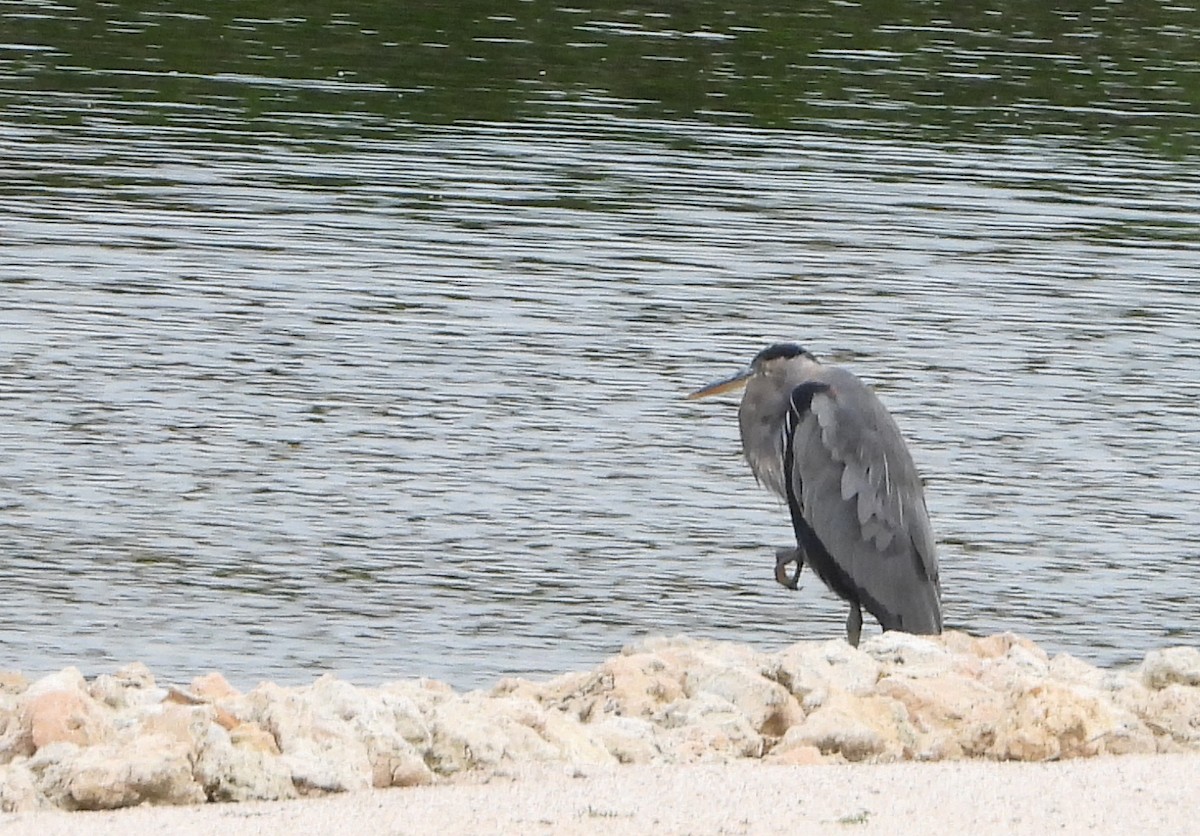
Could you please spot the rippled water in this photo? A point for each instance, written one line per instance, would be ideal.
(333, 391)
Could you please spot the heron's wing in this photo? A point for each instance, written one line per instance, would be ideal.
(855, 487)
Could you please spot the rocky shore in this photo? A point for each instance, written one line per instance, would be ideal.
(124, 739)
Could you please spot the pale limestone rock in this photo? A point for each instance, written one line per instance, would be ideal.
(553, 693)
(401, 769)
(70, 716)
(894, 648)
(1051, 721)
(318, 747)
(1109, 701)
(117, 741)
(112, 694)
(809, 670)
(857, 728)
(253, 736)
(424, 693)
(18, 790)
(587, 715)
(706, 729)
(230, 772)
(766, 705)
(1012, 673)
(636, 685)
(13, 682)
(394, 761)
(328, 767)
(480, 733)
(1032, 660)
(367, 708)
(57, 708)
(16, 737)
(213, 687)
(575, 742)
(960, 644)
(1171, 666)
(711, 696)
(682, 651)
(68, 679)
(388, 725)
(994, 646)
(1071, 672)
(152, 769)
(335, 737)
(629, 739)
(951, 715)
(1173, 713)
(132, 685)
(183, 724)
(1127, 694)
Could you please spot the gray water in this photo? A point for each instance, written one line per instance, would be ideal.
(291, 383)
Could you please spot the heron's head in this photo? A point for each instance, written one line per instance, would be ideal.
(772, 360)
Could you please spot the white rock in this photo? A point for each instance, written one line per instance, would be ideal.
(810, 669)
(68, 679)
(18, 790)
(131, 686)
(1173, 712)
(629, 739)
(477, 733)
(16, 738)
(1071, 671)
(153, 769)
(766, 705)
(894, 648)
(318, 747)
(389, 726)
(857, 728)
(1171, 666)
(708, 728)
(237, 773)
(577, 743)
(1033, 661)
(116, 742)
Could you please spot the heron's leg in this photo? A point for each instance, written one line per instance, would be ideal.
(783, 557)
(854, 624)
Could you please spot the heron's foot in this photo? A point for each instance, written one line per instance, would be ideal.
(854, 625)
(786, 556)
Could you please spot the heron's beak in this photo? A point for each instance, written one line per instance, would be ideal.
(729, 384)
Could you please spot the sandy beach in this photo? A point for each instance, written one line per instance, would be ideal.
(1147, 794)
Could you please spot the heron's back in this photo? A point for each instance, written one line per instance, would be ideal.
(855, 487)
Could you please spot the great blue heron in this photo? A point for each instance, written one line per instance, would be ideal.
(819, 438)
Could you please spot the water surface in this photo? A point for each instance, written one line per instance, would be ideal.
(358, 343)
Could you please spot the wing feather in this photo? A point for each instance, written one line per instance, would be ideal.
(857, 489)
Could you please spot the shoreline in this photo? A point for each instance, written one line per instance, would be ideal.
(952, 705)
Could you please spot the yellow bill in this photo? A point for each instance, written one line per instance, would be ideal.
(729, 384)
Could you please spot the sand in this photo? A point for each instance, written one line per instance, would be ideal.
(1157, 794)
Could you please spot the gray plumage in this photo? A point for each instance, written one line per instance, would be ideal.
(820, 439)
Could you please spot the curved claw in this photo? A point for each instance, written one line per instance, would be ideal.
(782, 558)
